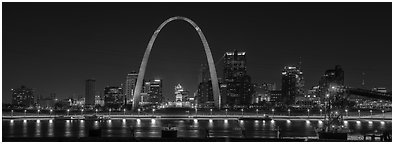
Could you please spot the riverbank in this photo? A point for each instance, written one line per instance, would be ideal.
(214, 117)
(131, 139)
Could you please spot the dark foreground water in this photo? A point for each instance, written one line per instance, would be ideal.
(186, 128)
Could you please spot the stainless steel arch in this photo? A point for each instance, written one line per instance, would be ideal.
(211, 64)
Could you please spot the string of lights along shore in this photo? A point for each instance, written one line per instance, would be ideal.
(197, 72)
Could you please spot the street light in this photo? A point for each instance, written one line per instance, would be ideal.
(139, 112)
(383, 113)
(25, 112)
(347, 114)
(289, 111)
(359, 116)
(195, 110)
(308, 113)
(370, 112)
(226, 112)
(153, 112)
(81, 112)
(242, 111)
(124, 112)
(211, 112)
(68, 111)
(109, 112)
(12, 113)
(38, 112)
(321, 112)
(50, 112)
(96, 111)
(273, 113)
(257, 112)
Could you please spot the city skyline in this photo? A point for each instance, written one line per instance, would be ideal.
(58, 55)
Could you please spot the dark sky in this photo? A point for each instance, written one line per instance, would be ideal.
(55, 47)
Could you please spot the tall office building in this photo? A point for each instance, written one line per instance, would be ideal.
(23, 97)
(234, 65)
(131, 80)
(292, 84)
(113, 97)
(90, 91)
(204, 75)
(205, 95)
(154, 91)
(238, 83)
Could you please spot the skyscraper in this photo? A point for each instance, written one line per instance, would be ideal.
(154, 91)
(204, 73)
(238, 83)
(292, 84)
(234, 65)
(205, 95)
(23, 97)
(131, 80)
(90, 91)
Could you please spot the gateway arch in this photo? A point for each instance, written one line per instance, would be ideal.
(211, 64)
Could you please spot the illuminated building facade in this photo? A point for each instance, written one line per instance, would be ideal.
(205, 95)
(154, 91)
(262, 92)
(131, 80)
(113, 97)
(275, 96)
(238, 83)
(292, 84)
(310, 100)
(181, 95)
(23, 97)
(182, 98)
(98, 100)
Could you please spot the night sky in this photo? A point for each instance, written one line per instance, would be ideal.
(55, 47)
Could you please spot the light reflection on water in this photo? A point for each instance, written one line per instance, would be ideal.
(187, 128)
(50, 128)
(320, 124)
(370, 123)
(82, 128)
(225, 124)
(68, 129)
(24, 129)
(288, 123)
(38, 129)
(138, 123)
(11, 127)
(358, 125)
(345, 123)
(95, 124)
(210, 125)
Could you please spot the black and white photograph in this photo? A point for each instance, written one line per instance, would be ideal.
(95, 71)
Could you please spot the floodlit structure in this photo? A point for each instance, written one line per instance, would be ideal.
(212, 70)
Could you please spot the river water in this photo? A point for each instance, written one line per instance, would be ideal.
(186, 128)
